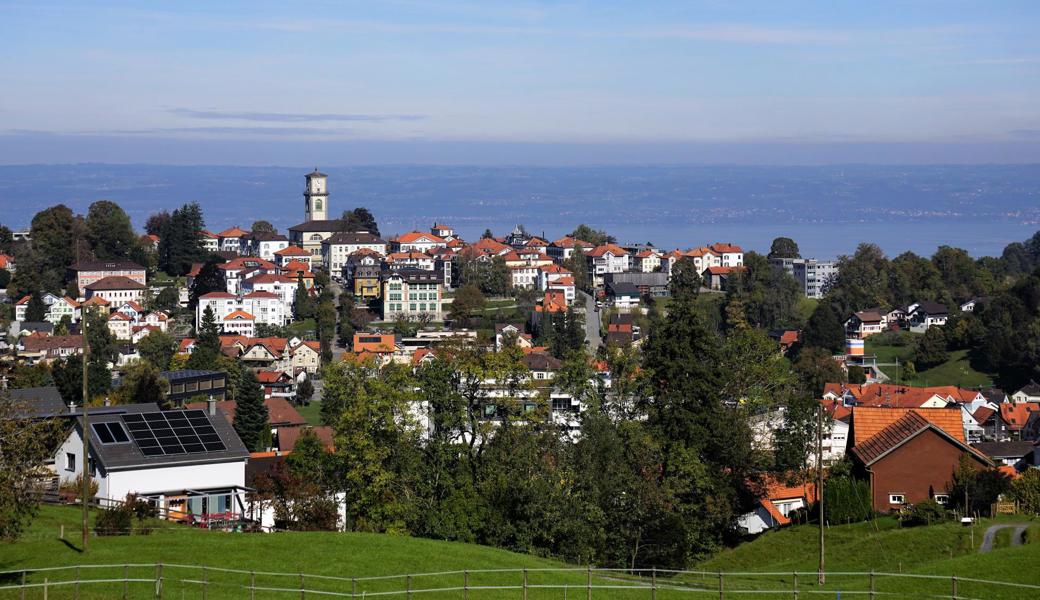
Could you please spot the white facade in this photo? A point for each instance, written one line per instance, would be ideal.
(265, 249)
(334, 253)
(266, 308)
(56, 309)
(281, 286)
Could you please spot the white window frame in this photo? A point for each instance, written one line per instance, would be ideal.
(70, 461)
(901, 499)
(943, 499)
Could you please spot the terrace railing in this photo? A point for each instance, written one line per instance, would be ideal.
(172, 581)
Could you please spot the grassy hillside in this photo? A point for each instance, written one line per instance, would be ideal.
(955, 371)
(938, 550)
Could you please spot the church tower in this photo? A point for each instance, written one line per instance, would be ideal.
(316, 197)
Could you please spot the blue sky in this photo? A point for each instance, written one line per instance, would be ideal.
(335, 82)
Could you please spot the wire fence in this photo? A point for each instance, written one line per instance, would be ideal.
(173, 581)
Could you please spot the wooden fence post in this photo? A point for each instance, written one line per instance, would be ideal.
(44, 588)
(653, 584)
(588, 583)
(525, 583)
(954, 595)
(75, 590)
(721, 594)
(465, 585)
(409, 587)
(872, 584)
(205, 582)
(303, 588)
(22, 595)
(353, 587)
(158, 581)
(794, 578)
(252, 585)
(126, 582)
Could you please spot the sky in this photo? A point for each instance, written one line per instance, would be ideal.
(500, 82)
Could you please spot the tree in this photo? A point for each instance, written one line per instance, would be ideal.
(56, 236)
(251, 419)
(5, 279)
(931, 349)
(68, 378)
(487, 235)
(26, 445)
(346, 319)
(157, 348)
(167, 300)
(980, 486)
(207, 342)
(109, 232)
(685, 276)
(360, 219)
(6, 240)
(325, 328)
(262, 227)
(310, 461)
(467, 304)
(578, 265)
(784, 247)
(304, 390)
(825, 329)
(36, 310)
(816, 367)
(180, 240)
(500, 279)
(1026, 491)
(303, 304)
(860, 280)
(209, 279)
(595, 237)
(141, 382)
(156, 222)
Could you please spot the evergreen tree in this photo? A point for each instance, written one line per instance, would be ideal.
(251, 419)
(304, 391)
(825, 329)
(931, 349)
(578, 265)
(207, 342)
(325, 327)
(36, 310)
(180, 241)
(303, 304)
(209, 279)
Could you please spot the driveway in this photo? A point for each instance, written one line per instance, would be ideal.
(592, 321)
(1016, 536)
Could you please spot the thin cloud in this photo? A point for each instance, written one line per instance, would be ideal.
(270, 117)
(1021, 60)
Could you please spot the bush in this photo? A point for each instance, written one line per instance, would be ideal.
(847, 500)
(115, 520)
(70, 490)
(924, 513)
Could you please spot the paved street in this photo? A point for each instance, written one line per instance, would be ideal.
(592, 318)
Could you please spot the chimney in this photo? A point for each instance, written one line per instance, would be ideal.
(211, 405)
(72, 407)
(108, 401)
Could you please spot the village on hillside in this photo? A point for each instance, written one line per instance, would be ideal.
(214, 357)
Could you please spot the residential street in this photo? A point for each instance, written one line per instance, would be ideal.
(592, 319)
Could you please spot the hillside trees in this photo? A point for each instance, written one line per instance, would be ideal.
(158, 348)
(109, 232)
(360, 219)
(180, 240)
(825, 329)
(784, 247)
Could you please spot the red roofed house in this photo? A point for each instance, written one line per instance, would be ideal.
(56, 308)
(716, 277)
(909, 455)
(730, 254)
(648, 260)
(239, 322)
(7, 262)
(563, 248)
(292, 253)
(417, 241)
(777, 501)
(88, 271)
(234, 239)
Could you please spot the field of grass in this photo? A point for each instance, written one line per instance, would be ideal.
(955, 371)
(331, 560)
(311, 412)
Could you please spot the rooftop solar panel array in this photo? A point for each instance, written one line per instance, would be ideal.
(173, 432)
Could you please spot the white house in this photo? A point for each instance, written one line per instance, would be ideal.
(608, 258)
(56, 308)
(239, 323)
(265, 245)
(116, 289)
(729, 254)
(923, 315)
(189, 463)
(264, 307)
(1029, 393)
(280, 285)
(337, 249)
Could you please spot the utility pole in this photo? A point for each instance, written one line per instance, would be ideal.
(821, 577)
(85, 492)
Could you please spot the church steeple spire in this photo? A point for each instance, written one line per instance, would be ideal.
(316, 197)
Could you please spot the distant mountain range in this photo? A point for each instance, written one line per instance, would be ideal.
(670, 205)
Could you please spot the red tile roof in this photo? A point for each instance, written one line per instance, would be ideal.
(868, 421)
(725, 248)
(115, 282)
(414, 236)
(1017, 415)
(605, 248)
(292, 251)
(233, 232)
(903, 429)
(289, 436)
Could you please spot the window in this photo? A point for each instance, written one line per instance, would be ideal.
(896, 499)
(110, 433)
(942, 498)
(70, 461)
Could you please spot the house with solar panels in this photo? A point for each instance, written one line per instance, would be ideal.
(190, 464)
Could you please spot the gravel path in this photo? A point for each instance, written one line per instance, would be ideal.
(1016, 536)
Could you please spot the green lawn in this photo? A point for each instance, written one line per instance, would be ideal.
(939, 550)
(956, 371)
(304, 328)
(311, 412)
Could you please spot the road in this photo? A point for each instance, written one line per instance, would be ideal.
(592, 321)
(1016, 536)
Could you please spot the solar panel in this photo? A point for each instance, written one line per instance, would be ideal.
(170, 433)
(110, 433)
